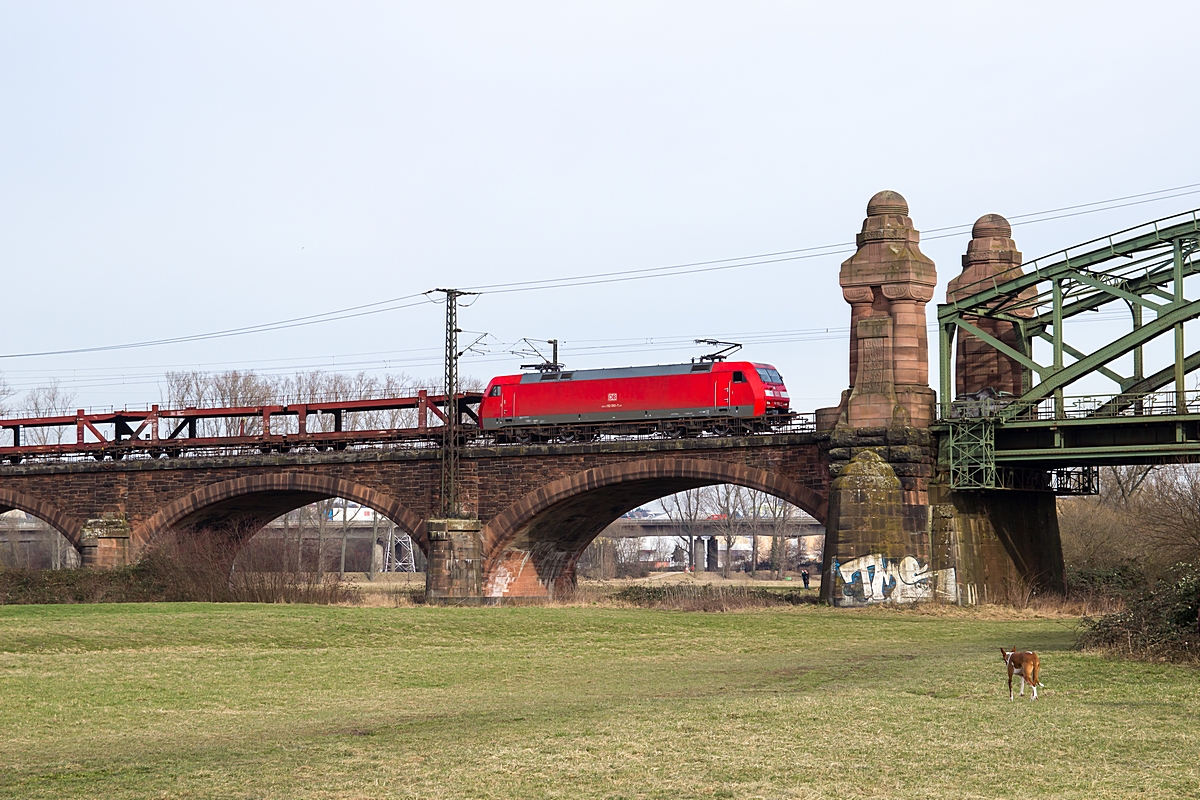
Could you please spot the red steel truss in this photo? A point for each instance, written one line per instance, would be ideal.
(157, 432)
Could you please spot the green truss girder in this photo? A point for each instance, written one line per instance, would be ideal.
(1130, 393)
(1047, 268)
(1124, 267)
(1112, 350)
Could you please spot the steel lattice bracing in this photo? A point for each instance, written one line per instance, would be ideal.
(1143, 269)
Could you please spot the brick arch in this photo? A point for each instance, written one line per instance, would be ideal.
(265, 497)
(68, 527)
(537, 540)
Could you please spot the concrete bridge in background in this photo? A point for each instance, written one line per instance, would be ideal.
(633, 528)
(916, 505)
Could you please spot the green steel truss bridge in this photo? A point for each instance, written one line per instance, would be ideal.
(1046, 438)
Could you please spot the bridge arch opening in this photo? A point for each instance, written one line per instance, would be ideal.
(261, 507)
(335, 535)
(532, 547)
(62, 547)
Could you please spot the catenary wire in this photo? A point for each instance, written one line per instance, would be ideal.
(691, 268)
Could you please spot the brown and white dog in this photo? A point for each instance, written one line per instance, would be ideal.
(1025, 664)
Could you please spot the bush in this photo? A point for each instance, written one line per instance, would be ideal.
(135, 584)
(192, 566)
(1122, 580)
(1161, 623)
(708, 597)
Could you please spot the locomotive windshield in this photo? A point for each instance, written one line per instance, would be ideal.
(769, 375)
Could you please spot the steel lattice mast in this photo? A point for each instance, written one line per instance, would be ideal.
(450, 508)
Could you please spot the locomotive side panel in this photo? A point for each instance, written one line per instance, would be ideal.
(682, 391)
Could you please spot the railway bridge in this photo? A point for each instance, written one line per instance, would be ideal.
(922, 497)
(537, 506)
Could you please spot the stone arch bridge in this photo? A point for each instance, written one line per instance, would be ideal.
(539, 506)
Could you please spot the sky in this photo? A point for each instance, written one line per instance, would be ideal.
(174, 169)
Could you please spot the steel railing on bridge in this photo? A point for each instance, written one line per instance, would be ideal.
(375, 423)
(1081, 407)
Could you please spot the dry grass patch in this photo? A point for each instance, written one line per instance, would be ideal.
(275, 701)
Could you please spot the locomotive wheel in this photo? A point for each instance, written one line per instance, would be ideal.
(684, 430)
(721, 428)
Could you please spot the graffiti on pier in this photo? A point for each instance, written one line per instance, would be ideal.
(875, 578)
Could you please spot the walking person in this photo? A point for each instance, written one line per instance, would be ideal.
(804, 577)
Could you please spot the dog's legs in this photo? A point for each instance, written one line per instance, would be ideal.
(1034, 687)
(1022, 686)
(1010, 693)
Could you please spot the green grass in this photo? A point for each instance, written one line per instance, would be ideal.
(300, 701)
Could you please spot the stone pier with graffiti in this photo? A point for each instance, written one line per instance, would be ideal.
(895, 531)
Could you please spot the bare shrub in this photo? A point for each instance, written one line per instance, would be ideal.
(608, 557)
(205, 565)
(1168, 514)
(708, 597)
(1162, 624)
(1097, 535)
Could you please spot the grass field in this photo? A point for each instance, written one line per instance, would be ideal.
(299, 701)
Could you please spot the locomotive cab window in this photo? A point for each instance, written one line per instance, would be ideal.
(769, 375)
(738, 377)
(495, 392)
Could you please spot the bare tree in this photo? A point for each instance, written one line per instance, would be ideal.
(1121, 484)
(230, 389)
(1097, 535)
(727, 508)
(6, 392)
(756, 511)
(628, 557)
(686, 509)
(780, 514)
(1168, 511)
(48, 401)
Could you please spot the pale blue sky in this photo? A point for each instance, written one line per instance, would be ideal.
(173, 168)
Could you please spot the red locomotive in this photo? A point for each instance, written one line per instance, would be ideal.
(677, 399)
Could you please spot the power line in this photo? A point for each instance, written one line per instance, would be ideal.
(297, 322)
(616, 276)
(581, 348)
(838, 248)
